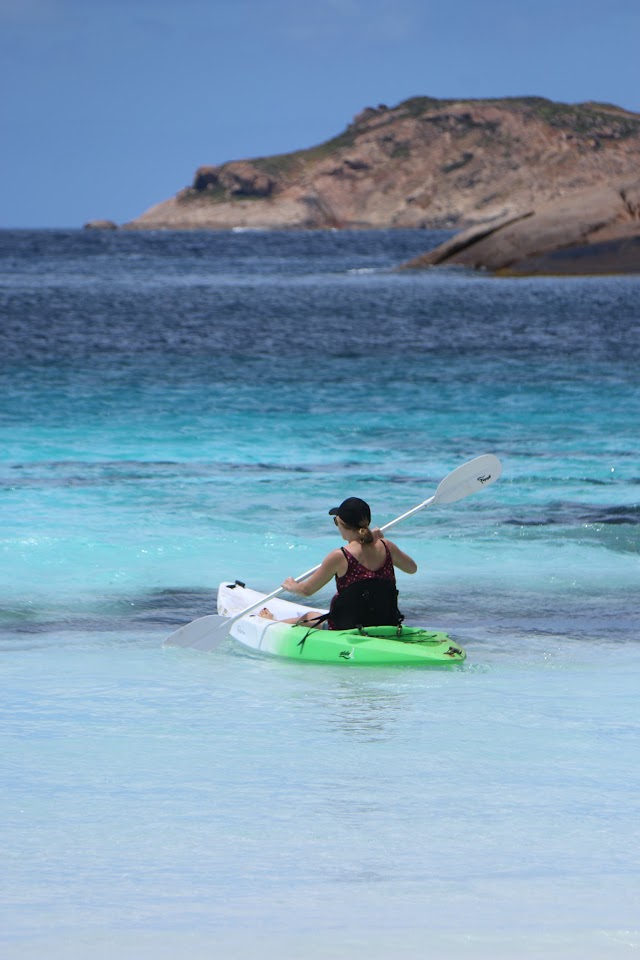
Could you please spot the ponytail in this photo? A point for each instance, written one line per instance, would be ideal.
(365, 535)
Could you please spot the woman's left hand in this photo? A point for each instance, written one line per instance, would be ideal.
(377, 534)
(290, 585)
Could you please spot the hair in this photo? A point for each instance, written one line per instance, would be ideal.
(365, 535)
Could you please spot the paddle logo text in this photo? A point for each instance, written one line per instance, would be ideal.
(484, 479)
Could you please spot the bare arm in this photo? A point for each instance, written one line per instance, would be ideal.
(401, 560)
(333, 563)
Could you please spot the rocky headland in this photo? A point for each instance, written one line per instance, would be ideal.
(514, 163)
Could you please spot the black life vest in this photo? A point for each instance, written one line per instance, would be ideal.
(366, 603)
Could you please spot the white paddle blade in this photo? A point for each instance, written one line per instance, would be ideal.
(468, 478)
(206, 633)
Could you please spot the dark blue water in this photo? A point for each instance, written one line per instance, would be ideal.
(144, 299)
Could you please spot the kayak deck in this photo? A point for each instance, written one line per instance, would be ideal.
(369, 645)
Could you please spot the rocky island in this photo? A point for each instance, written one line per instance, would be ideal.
(426, 163)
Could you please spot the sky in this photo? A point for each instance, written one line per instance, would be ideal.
(107, 107)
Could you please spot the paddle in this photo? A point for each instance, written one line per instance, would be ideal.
(207, 632)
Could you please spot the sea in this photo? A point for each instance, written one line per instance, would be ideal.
(179, 409)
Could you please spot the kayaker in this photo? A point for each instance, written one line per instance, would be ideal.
(365, 577)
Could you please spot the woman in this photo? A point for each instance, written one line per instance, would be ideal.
(364, 573)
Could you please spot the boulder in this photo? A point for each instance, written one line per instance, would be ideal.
(206, 177)
(239, 178)
(618, 255)
(242, 179)
(591, 231)
(101, 225)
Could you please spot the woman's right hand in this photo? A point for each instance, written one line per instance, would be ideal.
(291, 585)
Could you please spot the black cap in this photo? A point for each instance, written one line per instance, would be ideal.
(354, 512)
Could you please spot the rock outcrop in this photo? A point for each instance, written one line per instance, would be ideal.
(239, 179)
(101, 225)
(591, 231)
(424, 163)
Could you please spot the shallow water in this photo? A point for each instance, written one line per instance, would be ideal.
(179, 409)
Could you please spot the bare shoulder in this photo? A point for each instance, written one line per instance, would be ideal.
(334, 560)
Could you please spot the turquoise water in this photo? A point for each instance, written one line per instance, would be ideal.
(179, 409)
